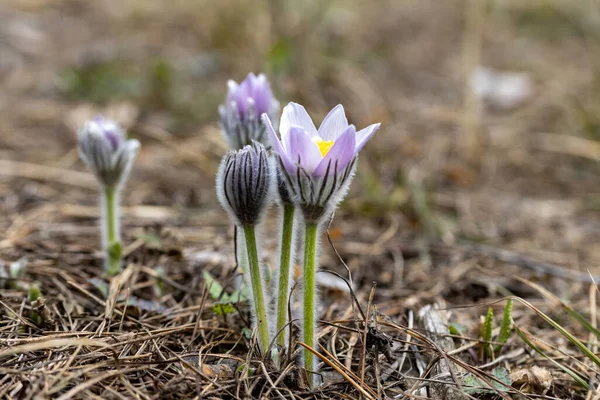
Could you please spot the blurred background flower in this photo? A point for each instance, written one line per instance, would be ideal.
(103, 147)
(244, 105)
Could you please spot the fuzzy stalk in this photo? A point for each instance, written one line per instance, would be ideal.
(309, 323)
(241, 258)
(256, 283)
(285, 261)
(111, 239)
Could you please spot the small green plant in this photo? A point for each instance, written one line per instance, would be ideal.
(488, 349)
(104, 148)
(505, 327)
(224, 302)
(101, 82)
(530, 340)
(501, 383)
(33, 296)
(486, 333)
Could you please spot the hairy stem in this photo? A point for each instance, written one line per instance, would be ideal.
(284, 273)
(257, 288)
(241, 258)
(112, 238)
(310, 255)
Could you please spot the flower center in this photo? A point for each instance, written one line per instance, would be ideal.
(324, 145)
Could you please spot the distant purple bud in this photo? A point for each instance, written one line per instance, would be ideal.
(244, 183)
(243, 107)
(103, 147)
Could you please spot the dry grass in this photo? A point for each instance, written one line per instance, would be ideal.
(444, 232)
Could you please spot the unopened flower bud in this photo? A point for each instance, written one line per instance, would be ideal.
(103, 147)
(244, 183)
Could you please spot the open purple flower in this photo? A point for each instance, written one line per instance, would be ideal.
(104, 148)
(317, 164)
(244, 104)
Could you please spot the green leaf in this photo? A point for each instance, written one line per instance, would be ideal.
(549, 295)
(456, 329)
(223, 308)
(503, 376)
(247, 332)
(215, 289)
(486, 331)
(475, 385)
(505, 326)
(582, 347)
(224, 301)
(34, 292)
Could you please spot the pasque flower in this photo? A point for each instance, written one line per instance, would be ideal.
(244, 104)
(317, 167)
(317, 164)
(104, 148)
(244, 183)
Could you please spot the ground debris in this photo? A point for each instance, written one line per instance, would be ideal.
(534, 379)
(435, 322)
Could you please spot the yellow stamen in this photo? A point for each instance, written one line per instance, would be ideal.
(324, 145)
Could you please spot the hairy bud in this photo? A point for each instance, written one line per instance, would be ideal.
(244, 183)
(103, 147)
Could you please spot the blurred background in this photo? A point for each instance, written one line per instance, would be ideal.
(491, 129)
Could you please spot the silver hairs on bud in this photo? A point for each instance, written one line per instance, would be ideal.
(244, 183)
(102, 146)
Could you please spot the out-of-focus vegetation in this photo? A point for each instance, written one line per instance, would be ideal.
(486, 168)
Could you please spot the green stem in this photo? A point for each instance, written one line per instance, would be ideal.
(284, 273)
(112, 239)
(310, 255)
(257, 288)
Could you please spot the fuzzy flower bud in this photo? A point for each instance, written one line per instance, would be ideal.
(103, 147)
(244, 183)
(241, 113)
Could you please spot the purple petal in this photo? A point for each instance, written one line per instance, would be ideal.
(363, 136)
(253, 90)
(112, 138)
(301, 149)
(277, 146)
(342, 152)
(334, 124)
(295, 115)
(261, 93)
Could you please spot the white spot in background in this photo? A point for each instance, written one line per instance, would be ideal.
(504, 90)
